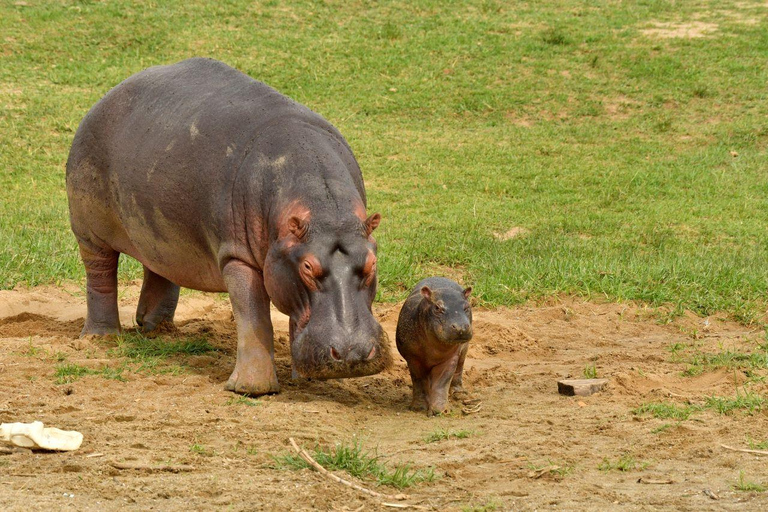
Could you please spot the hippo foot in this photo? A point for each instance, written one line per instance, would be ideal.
(93, 330)
(438, 411)
(164, 327)
(252, 383)
(418, 405)
(458, 391)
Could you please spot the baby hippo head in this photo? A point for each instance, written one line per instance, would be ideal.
(448, 313)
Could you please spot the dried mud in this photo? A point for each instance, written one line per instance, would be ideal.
(530, 448)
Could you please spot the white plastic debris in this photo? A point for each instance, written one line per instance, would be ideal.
(34, 435)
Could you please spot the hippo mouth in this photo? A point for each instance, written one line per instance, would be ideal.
(321, 361)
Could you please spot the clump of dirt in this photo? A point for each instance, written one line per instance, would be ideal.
(522, 445)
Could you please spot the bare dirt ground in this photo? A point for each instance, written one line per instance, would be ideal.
(530, 448)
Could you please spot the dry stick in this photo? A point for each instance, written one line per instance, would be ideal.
(758, 452)
(146, 467)
(309, 460)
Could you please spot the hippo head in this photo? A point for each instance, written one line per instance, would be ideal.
(447, 314)
(322, 274)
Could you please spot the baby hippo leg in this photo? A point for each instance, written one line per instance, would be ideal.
(439, 382)
(456, 385)
(420, 381)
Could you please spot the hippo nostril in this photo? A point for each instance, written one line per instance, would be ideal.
(371, 354)
(335, 355)
(456, 327)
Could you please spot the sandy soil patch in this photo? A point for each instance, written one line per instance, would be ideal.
(530, 448)
(689, 30)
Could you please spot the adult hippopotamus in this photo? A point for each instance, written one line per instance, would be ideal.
(217, 182)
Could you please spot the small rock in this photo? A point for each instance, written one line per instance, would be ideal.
(580, 387)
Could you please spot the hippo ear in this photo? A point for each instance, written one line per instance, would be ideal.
(467, 292)
(298, 227)
(426, 292)
(372, 223)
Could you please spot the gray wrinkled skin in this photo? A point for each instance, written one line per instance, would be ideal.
(217, 182)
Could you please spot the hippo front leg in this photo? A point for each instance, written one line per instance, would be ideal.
(254, 372)
(439, 381)
(456, 384)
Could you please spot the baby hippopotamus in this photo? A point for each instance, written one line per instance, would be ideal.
(433, 333)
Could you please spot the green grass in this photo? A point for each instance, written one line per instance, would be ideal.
(488, 506)
(242, 400)
(613, 148)
(159, 354)
(69, 372)
(747, 486)
(701, 362)
(442, 434)
(360, 463)
(757, 445)
(624, 463)
(590, 371)
(139, 354)
(663, 428)
(201, 450)
(666, 411)
(135, 345)
(746, 401)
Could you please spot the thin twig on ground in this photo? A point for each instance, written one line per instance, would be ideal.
(745, 450)
(146, 467)
(312, 462)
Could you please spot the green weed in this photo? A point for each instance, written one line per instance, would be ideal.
(158, 355)
(201, 450)
(359, 463)
(748, 402)
(757, 445)
(590, 372)
(666, 411)
(489, 506)
(746, 486)
(242, 400)
(624, 463)
(441, 434)
(662, 428)
(67, 373)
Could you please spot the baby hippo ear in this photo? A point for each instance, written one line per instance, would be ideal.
(298, 227)
(426, 292)
(467, 292)
(372, 223)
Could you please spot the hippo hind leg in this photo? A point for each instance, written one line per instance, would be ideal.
(157, 302)
(101, 289)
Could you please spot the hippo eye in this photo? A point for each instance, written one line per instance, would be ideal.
(439, 309)
(307, 266)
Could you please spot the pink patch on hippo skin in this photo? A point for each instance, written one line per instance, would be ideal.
(372, 223)
(359, 208)
(293, 223)
(309, 270)
(369, 269)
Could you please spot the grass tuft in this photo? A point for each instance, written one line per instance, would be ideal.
(624, 463)
(362, 464)
(746, 486)
(69, 372)
(441, 434)
(242, 400)
(748, 402)
(666, 411)
(590, 371)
